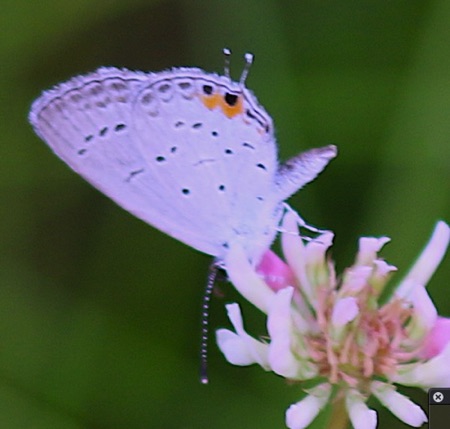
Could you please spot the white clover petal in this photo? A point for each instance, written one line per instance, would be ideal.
(318, 247)
(355, 279)
(240, 348)
(282, 334)
(424, 315)
(368, 249)
(361, 416)
(344, 311)
(316, 262)
(428, 260)
(381, 274)
(294, 251)
(401, 406)
(405, 288)
(301, 414)
(382, 268)
(234, 348)
(246, 280)
(301, 325)
(434, 372)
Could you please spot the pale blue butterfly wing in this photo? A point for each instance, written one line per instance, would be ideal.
(191, 153)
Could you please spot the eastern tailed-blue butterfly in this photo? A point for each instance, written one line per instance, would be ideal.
(189, 152)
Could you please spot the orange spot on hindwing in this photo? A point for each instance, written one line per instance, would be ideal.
(211, 101)
(230, 105)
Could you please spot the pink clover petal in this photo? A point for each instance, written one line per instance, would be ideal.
(380, 275)
(437, 338)
(344, 311)
(382, 268)
(275, 272)
(355, 279)
(369, 248)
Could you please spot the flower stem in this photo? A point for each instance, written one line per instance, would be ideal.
(339, 416)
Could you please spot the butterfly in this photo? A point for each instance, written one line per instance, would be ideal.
(189, 152)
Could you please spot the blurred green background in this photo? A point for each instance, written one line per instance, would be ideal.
(100, 313)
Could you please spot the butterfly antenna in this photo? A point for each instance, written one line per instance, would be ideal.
(248, 62)
(213, 268)
(226, 67)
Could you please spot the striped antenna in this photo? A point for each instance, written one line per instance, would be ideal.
(226, 67)
(213, 268)
(248, 62)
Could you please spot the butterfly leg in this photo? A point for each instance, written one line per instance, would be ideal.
(301, 222)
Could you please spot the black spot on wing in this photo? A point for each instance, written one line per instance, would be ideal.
(133, 174)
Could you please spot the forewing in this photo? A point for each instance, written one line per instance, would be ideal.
(88, 123)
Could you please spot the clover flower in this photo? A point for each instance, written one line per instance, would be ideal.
(341, 334)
